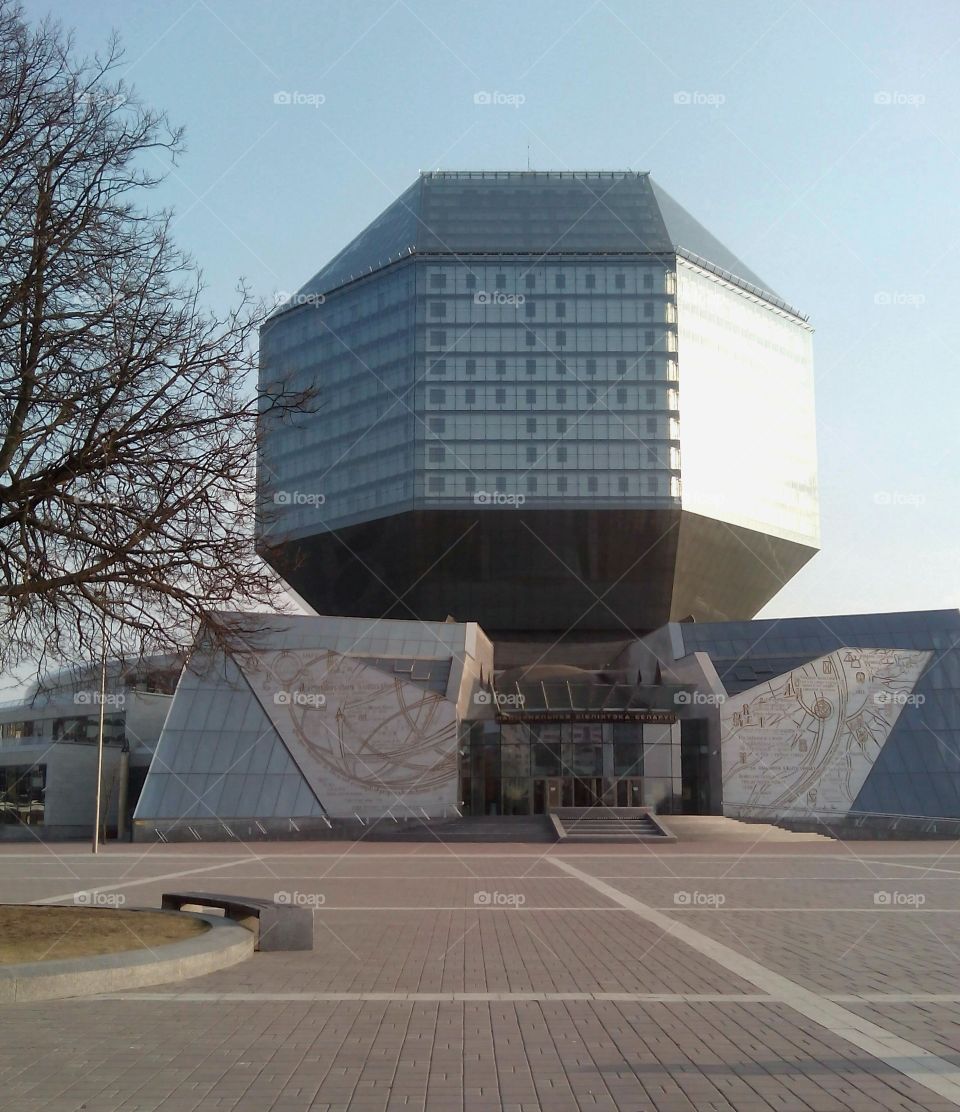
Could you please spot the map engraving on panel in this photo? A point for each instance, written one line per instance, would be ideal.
(807, 739)
(367, 742)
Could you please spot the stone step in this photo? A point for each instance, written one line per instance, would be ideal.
(614, 824)
(609, 824)
(481, 828)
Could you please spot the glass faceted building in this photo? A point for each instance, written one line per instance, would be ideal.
(548, 403)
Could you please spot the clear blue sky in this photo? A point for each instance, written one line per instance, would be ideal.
(821, 143)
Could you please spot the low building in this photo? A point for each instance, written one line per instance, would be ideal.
(799, 720)
(49, 741)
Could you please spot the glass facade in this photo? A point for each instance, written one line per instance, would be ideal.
(524, 769)
(21, 794)
(495, 345)
(391, 236)
(219, 756)
(17, 730)
(443, 383)
(504, 212)
(515, 335)
(546, 381)
(748, 437)
(559, 213)
(349, 456)
(73, 729)
(85, 729)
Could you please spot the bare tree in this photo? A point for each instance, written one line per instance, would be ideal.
(127, 411)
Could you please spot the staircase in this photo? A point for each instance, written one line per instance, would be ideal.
(609, 824)
(721, 828)
(565, 824)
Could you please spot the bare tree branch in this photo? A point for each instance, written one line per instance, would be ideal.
(127, 411)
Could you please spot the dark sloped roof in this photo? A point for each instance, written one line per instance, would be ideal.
(393, 233)
(534, 212)
(528, 212)
(686, 232)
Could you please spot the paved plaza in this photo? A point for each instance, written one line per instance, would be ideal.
(705, 976)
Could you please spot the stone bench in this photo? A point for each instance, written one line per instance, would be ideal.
(274, 926)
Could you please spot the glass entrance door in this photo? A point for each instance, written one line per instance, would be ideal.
(587, 792)
(554, 794)
(547, 794)
(630, 792)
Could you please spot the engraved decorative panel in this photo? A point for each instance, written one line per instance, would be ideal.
(367, 742)
(807, 739)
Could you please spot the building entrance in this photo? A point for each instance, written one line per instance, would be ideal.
(552, 792)
(532, 769)
(549, 793)
(629, 792)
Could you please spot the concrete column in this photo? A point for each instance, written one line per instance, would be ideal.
(123, 787)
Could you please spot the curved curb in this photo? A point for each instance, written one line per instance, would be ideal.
(223, 945)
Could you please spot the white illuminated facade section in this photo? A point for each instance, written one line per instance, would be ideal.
(747, 432)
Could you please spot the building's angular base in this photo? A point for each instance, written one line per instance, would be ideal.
(571, 574)
(353, 729)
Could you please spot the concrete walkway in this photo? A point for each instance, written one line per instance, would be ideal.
(755, 975)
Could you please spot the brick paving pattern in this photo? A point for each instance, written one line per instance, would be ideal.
(534, 998)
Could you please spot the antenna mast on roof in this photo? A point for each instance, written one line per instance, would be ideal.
(528, 156)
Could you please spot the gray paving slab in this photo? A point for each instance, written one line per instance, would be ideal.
(549, 995)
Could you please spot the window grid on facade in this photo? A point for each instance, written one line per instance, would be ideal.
(603, 338)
